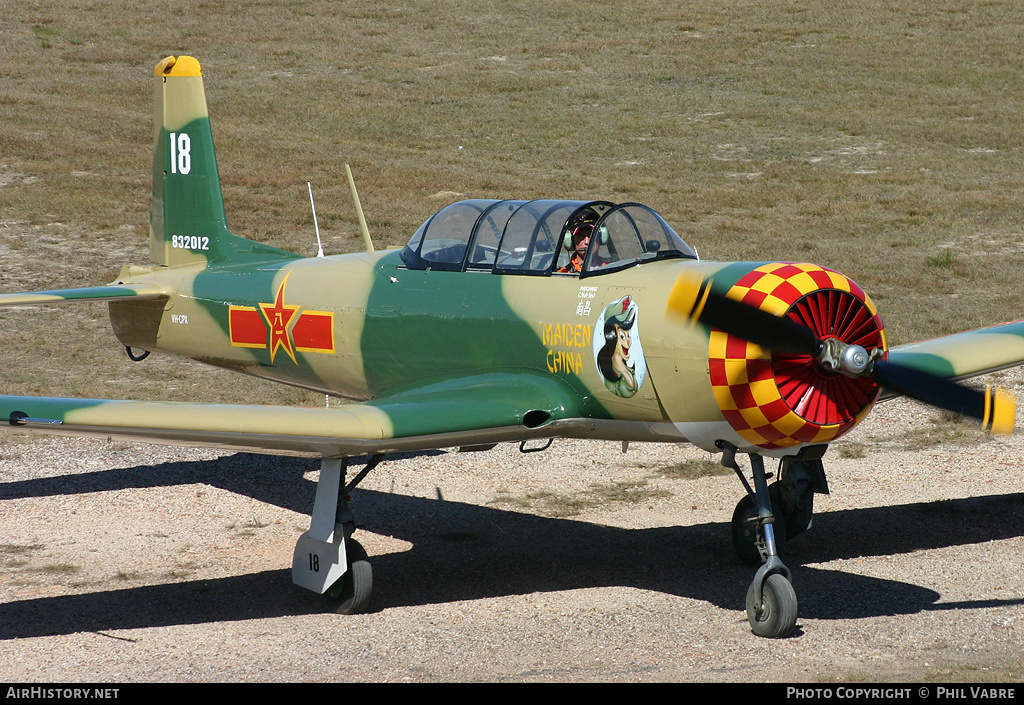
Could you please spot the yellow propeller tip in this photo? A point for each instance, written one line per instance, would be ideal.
(688, 297)
(1004, 412)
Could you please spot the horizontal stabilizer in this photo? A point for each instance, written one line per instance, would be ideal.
(88, 293)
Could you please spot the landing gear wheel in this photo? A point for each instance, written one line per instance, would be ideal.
(351, 594)
(747, 537)
(778, 608)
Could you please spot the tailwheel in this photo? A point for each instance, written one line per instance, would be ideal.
(351, 593)
(747, 535)
(774, 615)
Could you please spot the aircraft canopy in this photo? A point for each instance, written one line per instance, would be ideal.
(535, 237)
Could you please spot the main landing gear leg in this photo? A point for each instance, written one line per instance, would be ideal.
(771, 601)
(327, 560)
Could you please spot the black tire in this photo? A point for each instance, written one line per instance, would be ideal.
(747, 542)
(351, 594)
(778, 608)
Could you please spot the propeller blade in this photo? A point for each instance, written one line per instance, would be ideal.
(695, 300)
(996, 408)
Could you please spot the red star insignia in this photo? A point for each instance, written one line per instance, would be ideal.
(279, 316)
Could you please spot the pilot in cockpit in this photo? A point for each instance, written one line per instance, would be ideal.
(577, 239)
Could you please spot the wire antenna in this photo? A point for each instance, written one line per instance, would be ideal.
(319, 245)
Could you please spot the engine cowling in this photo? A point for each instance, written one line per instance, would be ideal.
(777, 400)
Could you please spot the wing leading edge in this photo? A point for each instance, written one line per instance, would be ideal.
(489, 408)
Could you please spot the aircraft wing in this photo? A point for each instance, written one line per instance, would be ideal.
(968, 354)
(480, 410)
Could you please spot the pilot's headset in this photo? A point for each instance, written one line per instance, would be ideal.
(584, 226)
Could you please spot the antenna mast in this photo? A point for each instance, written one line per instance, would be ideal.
(359, 211)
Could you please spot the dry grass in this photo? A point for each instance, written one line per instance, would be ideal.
(561, 505)
(945, 428)
(878, 138)
(688, 469)
(978, 673)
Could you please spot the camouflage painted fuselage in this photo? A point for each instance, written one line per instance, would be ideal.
(383, 329)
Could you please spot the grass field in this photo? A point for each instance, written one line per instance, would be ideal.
(881, 138)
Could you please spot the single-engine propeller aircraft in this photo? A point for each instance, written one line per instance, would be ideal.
(559, 318)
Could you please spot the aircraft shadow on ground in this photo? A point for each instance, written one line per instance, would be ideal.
(466, 552)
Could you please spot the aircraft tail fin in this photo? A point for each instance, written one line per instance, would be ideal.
(188, 224)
